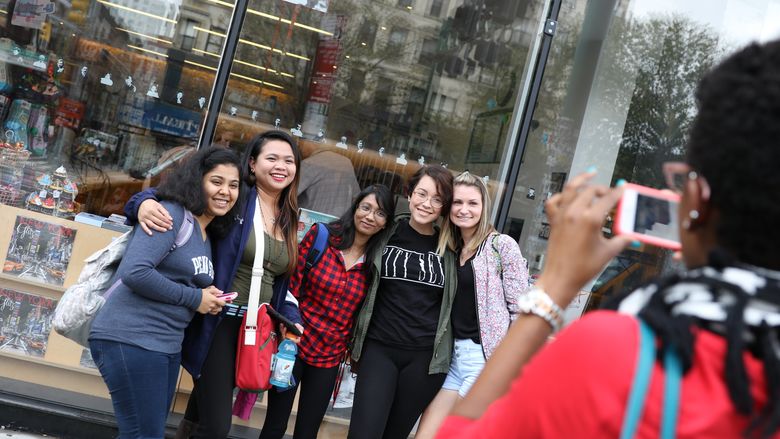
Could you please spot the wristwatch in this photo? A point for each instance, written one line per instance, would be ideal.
(537, 302)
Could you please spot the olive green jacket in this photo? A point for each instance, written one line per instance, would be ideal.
(442, 344)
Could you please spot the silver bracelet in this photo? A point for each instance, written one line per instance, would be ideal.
(535, 301)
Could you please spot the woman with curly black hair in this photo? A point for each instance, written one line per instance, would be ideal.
(270, 164)
(165, 279)
(720, 318)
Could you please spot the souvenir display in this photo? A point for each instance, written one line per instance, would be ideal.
(54, 194)
(25, 322)
(39, 251)
(13, 157)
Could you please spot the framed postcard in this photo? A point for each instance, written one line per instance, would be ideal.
(25, 322)
(39, 251)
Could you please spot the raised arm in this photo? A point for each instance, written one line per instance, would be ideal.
(577, 251)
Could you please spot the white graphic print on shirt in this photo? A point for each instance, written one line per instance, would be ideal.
(412, 266)
(203, 265)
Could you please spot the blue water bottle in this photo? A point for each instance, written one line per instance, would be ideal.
(284, 361)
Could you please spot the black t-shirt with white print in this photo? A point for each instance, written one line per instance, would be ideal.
(406, 312)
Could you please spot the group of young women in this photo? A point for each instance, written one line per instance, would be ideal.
(416, 309)
(419, 309)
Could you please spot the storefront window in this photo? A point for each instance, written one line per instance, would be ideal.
(387, 85)
(103, 94)
(618, 94)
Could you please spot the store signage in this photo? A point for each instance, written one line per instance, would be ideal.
(168, 119)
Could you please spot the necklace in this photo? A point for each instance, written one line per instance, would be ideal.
(265, 217)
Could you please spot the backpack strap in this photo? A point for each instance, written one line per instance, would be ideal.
(641, 384)
(185, 231)
(321, 236)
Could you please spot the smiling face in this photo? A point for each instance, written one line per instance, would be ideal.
(220, 189)
(466, 208)
(369, 217)
(425, 203)
(274, 167)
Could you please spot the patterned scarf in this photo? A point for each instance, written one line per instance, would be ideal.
(740, 303)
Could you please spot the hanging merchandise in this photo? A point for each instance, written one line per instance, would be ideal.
(37, 127)
(13, 158)
(17, 121)
(5, 77)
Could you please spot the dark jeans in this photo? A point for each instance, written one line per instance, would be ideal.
(316, 386)
(211, 401)
(393, 388)
(141, 384)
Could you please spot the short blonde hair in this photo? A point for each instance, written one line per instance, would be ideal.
(450, 234)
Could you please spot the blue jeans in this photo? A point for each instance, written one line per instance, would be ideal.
(141, 384)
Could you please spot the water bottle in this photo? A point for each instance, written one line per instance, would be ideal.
(283, 363)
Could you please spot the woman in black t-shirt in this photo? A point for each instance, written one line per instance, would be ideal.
(403, 336)
(492, 275)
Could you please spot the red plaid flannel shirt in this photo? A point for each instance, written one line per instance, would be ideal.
(329, 305)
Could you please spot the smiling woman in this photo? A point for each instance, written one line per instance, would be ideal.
(136, 339)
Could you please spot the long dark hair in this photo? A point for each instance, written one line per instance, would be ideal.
(342, 230)
(185, 185)
(287, 221)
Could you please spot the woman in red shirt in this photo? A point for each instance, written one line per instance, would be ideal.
(329, 297)
(721, 315)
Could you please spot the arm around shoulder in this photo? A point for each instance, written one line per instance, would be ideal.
(132, 205)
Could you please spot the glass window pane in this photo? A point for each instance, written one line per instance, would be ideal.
(618, 94)
(389, 86)
(109, 92)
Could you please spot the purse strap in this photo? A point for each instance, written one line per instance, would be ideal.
(641, 383)
(250, 323)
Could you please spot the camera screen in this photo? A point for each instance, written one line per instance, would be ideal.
(656, 217)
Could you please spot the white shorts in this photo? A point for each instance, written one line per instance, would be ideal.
(468, 359)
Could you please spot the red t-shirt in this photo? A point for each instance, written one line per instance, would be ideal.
(578, 386)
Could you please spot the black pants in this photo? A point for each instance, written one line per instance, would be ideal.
(211, 402)
(393, 388)
(316, 386)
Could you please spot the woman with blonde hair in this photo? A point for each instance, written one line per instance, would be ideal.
(492, 274)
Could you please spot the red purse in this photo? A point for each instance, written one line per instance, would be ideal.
(256, 338)
(256, 346)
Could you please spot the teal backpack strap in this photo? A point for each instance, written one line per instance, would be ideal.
(673, 373)
(641, 384)
(644, 367)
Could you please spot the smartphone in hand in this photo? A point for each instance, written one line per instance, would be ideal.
(228, 297)
(648, 215)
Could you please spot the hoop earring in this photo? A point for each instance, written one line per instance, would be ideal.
(686, 224)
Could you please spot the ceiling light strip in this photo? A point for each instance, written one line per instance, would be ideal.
(138, 34)
(219, 34)
(215, 55)
(275, 18)
(186, 61)
(147, 51)
(137, 11)
(270, 84)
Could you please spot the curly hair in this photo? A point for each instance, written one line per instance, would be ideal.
(185, 186)
(734, 145)
(287, 221)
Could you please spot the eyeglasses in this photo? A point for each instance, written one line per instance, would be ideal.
(421, 196)
(678, 173)
(365, 209)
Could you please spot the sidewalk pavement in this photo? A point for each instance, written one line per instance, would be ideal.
(13, 434)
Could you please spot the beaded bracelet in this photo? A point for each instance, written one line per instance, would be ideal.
(539, 303)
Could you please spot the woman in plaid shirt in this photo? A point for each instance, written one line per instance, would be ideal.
(329, 297)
